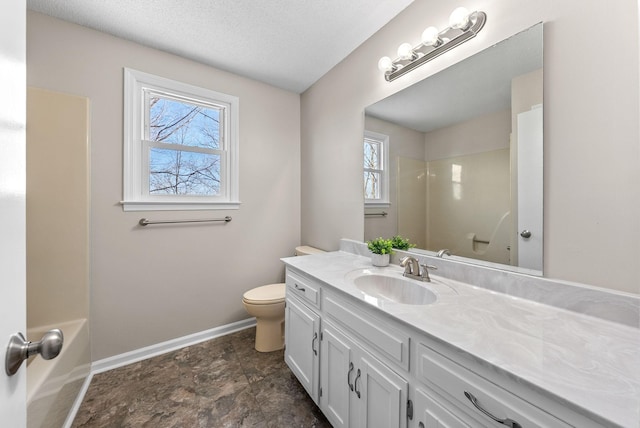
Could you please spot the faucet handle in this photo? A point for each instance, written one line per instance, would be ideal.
(425, 272)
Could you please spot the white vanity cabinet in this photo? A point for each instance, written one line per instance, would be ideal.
(357, 389)
(336, 376)
(431, 413)
(364, 368)
(302, 334)
(473, 398)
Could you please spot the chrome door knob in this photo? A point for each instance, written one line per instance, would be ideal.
(525, 234)
(20, 349)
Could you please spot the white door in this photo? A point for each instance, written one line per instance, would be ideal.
(530, 136)
(13, 93)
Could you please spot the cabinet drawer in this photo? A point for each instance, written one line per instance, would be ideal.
(384, 340)
(455, 382)
(303, 288)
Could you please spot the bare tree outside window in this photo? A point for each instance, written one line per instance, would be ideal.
(181, 146)
(185, 157)
(372, 168)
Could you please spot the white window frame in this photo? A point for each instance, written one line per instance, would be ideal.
(383, 201)
(137, 85)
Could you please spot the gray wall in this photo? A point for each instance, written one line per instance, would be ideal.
(592, 154)
(154, 284)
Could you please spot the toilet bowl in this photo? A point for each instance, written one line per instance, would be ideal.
(266, 304)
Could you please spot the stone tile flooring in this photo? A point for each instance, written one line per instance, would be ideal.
(224, 382)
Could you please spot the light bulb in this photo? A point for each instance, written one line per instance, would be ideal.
(459, 19)
(385, 64)
(430, 37)
(405, 51)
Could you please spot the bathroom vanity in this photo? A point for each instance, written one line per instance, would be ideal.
(450, 354)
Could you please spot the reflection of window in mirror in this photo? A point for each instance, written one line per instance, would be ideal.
(376, 169)
(456, 179)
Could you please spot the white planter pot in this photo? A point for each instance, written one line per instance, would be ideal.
(380, 260)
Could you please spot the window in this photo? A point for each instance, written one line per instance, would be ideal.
(180, 146)
(376, 169)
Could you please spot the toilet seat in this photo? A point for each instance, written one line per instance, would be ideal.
(265, 295)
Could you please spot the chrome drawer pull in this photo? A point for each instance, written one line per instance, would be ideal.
(313, 343)
(355, 383)
(508, 422)
(298, 287)
(349, 376)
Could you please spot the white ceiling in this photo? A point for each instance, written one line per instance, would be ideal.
(286, 43)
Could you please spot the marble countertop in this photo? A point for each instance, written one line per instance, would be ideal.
(588, 364)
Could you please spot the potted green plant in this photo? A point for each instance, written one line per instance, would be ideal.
(400, 243)
(381, 250)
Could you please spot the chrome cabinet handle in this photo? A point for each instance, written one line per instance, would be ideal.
(20, 349)
(420, 425)
(313, 343)
(355, 383)
(297, 287)
(349, 376)
(508, 422)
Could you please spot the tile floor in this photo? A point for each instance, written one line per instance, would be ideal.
(224, 382)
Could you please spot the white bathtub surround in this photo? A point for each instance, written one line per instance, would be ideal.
(58, 265)
(602, 303)
(584, 363)
(54, 385)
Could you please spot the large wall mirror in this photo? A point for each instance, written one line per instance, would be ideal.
(464, 158)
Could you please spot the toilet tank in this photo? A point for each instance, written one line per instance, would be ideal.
(304, 250)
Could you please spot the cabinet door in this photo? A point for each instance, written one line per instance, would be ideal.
(431, 414)
(302, 330)
(383, 395)
(337, 373)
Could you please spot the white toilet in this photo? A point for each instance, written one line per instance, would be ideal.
(266, 303)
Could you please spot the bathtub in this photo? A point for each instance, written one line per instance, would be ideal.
(53, 385)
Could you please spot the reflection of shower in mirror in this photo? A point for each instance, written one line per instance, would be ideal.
(496, 249)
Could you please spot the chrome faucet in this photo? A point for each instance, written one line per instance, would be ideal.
(411, 266)
(413, 269)
(443, 252)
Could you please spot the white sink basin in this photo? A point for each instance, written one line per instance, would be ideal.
(390, 286)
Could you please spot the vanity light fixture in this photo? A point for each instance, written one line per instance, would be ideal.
(462, 27)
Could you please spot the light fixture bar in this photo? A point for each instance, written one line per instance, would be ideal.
(451, 37)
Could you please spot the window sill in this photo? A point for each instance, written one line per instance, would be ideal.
(178, 206)
(377, 205)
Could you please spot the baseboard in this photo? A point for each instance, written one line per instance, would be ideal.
(136, 355)
(78, 401)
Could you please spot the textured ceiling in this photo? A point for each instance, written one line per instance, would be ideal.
(286, 43)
